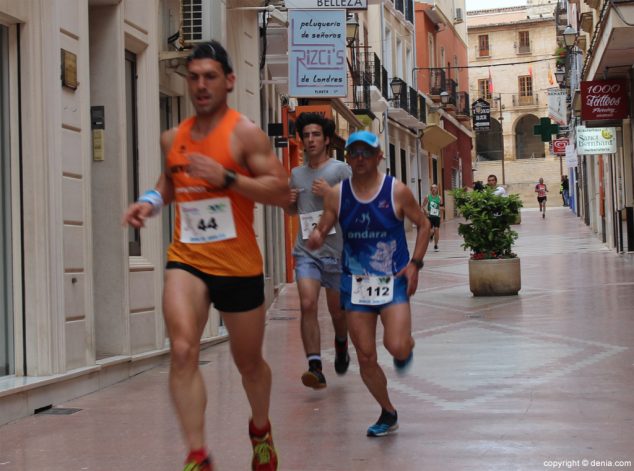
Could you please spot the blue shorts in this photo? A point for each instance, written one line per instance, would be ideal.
(326, 270)
(400, 295)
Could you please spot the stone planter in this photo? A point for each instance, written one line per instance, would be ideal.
(496, 277)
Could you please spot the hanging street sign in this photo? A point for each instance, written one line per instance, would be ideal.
(604, 100)
(481, 112)
(317, 53)
(594, 141)
(559, 146)
(323, 4)
(545, 129)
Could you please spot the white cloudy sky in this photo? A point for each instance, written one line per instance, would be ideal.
(484, 4)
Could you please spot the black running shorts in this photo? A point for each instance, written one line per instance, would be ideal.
(228, 293)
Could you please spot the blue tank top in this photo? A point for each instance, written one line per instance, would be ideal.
(373, 237)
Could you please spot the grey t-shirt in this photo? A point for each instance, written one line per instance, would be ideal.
(302, 177)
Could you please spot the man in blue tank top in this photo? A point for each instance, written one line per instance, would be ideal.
(378, 275)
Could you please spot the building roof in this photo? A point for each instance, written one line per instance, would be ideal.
(503, 17)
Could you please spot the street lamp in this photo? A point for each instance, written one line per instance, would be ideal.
(352, 27)
(570, 36)
(396, 85)
(560, 75)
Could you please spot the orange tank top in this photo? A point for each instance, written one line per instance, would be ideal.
(213, 230)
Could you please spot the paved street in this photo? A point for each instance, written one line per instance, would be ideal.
(506, 383)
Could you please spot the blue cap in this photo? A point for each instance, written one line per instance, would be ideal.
(366, 137)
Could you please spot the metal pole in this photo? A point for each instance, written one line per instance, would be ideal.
(502, 137)
(386, 137)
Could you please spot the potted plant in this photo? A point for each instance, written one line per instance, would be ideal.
(494, 270)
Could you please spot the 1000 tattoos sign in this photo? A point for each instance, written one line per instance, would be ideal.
(604, 100)
(317, 53)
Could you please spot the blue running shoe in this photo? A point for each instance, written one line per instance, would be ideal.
(402, 366)
(386, 424)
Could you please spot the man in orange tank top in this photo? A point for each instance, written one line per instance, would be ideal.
(218, 164)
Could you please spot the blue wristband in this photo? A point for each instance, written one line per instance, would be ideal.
(153, 197)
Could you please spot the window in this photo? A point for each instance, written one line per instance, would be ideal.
(524, 46)
(404, 166)
(525, 90)
(484, 89)
(132, 140)
(483, 45)
(392, 169)
(6, 310)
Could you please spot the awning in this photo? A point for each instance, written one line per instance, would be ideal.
(436, 138)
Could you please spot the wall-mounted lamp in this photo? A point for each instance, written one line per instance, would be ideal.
(570, 36)
(444, 97)
(396, 85)
(560, 75)
(352, 27)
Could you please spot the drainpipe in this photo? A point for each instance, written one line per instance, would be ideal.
(385, 113)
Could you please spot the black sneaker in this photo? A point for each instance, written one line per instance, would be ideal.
(314, 378)
(342, 358)
(435, 247)
(403, 366)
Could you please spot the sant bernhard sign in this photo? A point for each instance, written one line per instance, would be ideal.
(604, 100)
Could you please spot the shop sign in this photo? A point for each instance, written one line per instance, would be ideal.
(593, 141)
(481, 112)
(604, 100)
(559, 146)
(317, 53)
(333, 4)
(557, 108)
(571, 156)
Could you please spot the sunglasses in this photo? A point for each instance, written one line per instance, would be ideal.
(365, 153)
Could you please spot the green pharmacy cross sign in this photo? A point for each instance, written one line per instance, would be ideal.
(545, 129)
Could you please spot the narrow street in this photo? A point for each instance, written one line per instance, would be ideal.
(507, 383)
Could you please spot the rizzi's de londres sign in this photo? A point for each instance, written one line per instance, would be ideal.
(317, 53)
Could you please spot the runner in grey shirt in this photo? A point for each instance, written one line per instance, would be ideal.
(314, 269)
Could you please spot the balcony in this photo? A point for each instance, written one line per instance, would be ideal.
(463, 106)
(525, 100)
(409, 109)
(482, 53)
(452, 88)
(436, 81)
(523, 48)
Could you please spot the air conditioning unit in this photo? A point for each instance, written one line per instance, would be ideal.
(458, 18)
(196, 22)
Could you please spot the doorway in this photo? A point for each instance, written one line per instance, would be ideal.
(7, 358)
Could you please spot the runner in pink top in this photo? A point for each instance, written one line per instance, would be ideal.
(541, 191)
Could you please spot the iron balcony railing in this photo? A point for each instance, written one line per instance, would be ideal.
(452, 88)
(525, 100)
(524, 48)
(436, 81)
(483, 52)
(411, 102)
(463, 106)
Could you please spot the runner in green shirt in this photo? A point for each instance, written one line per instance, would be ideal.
(432, 205)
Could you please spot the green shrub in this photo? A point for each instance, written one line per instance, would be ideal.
(487, 233)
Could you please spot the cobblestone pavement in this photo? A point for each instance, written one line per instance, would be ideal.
(542, 380)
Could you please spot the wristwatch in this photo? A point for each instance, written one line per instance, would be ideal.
(418, 263)
(230, 178)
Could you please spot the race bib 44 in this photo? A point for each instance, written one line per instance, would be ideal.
(209, 220)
